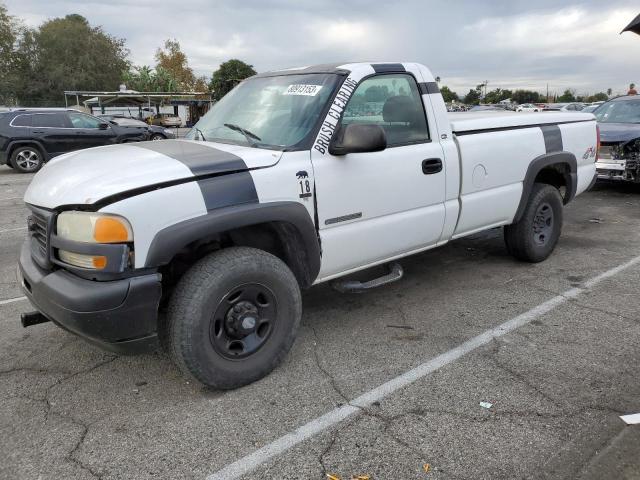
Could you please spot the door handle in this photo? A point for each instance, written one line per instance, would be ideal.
(431, 166)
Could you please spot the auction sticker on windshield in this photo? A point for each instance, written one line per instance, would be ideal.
(309, 90)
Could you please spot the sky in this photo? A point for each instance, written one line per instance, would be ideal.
(509, 43)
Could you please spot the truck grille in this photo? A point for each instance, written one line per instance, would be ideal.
(39, 226)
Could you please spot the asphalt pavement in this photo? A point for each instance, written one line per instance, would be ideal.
(552, 347)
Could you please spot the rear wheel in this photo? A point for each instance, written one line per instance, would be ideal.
(233, 317)
(27, 159)
(157, 136)
(536, 234)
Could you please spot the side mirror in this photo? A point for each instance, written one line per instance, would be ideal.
(103, 126)
(357, 138)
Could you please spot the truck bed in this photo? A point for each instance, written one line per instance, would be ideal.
(472, 121)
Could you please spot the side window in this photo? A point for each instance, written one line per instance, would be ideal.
(50, 120)
(21, 121)
(79, 120)
(394, 103)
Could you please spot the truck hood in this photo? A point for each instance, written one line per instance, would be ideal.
(87, 176)
(618, 132)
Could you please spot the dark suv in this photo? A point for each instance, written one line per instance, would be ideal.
(28, 138)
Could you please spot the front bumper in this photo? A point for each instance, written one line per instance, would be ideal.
(120, 315)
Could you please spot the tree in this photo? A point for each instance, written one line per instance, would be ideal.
(146, 79)
(173, 61)
(568, 96)
(497, 95)
(67, 54)
(11, 32)
(526, 96)
(228, 75)
(473, 97)
(609, 92)
(448, 95)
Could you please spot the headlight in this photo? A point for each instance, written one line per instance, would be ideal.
(167, 131)
(89, 227)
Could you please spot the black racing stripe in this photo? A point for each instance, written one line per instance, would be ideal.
(227, 190)
(201, 159)
(388, 67)
(515, 127)
(552, 138)
(427, 88)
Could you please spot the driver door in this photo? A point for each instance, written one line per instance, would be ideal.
(376, 206)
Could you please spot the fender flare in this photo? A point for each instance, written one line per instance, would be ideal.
(169, 241)
(538, 163)
(17, 143)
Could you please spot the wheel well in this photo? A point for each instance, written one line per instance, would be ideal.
(281, 239)
(13, 146)
(557, 175)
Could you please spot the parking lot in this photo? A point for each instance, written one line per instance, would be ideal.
(558, 372)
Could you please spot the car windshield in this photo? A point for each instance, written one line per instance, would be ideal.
(269, 112)
(622, 111)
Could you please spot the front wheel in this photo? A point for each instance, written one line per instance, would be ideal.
(157, 136)
(535, 235)
(233, 317)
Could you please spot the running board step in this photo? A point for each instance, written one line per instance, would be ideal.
(355, 286)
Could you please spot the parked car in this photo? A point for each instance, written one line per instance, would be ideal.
(528, 107)
(589, 108)
(156, 132)
(489, 108)
(226, 227)
(166, 120)
(619, 154)
(564, 107)
(29, 138)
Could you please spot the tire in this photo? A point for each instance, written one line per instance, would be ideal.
(535, 235)
(232, 317)
(157, 136)
(27, 159)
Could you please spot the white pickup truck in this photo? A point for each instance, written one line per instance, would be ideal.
(294, 178)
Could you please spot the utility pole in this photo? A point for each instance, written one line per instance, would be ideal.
(547, 92)
(486, 82)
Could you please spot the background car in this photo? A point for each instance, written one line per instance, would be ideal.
(156, 132)
(166, 120)
(28, 138)
(489, 108)
(590, 108)
(564, 107)
(528, 107)
(619, 153)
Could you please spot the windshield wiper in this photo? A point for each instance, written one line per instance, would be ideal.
(201, 134)
(247, 134)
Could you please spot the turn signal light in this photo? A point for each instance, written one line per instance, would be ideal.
(111, 230)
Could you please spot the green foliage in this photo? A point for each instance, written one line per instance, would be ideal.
(598, 97)
(473, 97)
(145, 79)
(228, 75)
(67, 54)
(448, 95)
(526, 96)
(10, 34)
(568, 96)
(497, 95)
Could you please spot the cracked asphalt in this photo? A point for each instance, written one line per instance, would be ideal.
(557, 385)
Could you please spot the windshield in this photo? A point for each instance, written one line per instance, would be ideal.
(619, 112)
(269, 112)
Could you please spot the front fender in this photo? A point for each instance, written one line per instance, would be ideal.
(171, 240)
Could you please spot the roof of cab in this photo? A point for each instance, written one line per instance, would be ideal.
(320, 68)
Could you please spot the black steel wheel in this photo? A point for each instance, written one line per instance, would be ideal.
(534, 237)
(233, 317)
(243, 321)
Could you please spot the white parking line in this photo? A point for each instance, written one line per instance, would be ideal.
(13, 229)
(254, 460)
(11, 300)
